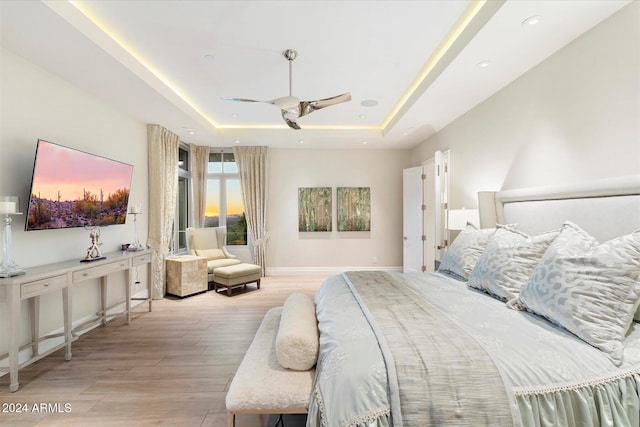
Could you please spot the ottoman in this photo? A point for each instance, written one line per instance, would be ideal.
(233, 276)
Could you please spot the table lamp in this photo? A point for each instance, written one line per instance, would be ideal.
(9, 205)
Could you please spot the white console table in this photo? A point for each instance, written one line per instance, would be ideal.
(62, 276)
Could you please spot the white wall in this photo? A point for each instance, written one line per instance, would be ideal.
(574, 117)
(36, 104)
(290, 251)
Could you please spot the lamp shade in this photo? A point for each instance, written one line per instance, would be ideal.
(458, 218)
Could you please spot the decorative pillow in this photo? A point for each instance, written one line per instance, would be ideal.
(507, 262)
(298, 340)
(464, 251)
(591, 290)
(210, 254)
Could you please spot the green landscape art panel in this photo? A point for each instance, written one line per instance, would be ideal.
(354, 208)
(314, 209)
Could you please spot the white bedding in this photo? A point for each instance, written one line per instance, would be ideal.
(508, 335)
(551, 377)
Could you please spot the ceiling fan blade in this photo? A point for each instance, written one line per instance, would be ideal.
(307, 107)
(242, 100)
(290, 119)
(288, 103)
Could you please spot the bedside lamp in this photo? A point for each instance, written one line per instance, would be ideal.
(458, 218)
(135, 211)
(9, 205)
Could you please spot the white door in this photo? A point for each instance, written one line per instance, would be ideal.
(412, 219)
(441, 160)
(429, 217)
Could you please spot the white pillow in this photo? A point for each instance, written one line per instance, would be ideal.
(507, 262)
(591, 290)
(464, 251)
(210, 254)
(298, 339)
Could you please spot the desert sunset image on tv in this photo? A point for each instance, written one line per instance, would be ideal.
(71, 188)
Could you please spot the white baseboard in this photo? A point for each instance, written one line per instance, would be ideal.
(324, 271)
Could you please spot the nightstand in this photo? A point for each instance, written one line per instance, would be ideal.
(186, 275)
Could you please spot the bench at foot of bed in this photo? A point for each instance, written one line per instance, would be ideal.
(261, 385)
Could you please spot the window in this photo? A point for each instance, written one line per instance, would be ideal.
(183, 207)
(224, 197)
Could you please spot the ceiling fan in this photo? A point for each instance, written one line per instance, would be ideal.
(290, 106)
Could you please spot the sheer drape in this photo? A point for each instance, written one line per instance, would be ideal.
(252, 167)
(163, 188)
(199, 165)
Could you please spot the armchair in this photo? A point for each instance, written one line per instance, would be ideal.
(209, 243)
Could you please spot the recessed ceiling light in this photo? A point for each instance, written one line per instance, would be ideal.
(237, 141)
(234, 115)
(209, 57)
(362, 116)
(369, 103)
(364, 142)
(531, 21)
(483, 64)
(191, 132)
(301, 142)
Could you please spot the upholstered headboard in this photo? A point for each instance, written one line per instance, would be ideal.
(606, 208)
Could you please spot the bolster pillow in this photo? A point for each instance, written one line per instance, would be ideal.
(298, 340)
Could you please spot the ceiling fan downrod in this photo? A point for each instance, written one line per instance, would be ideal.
(290, 54)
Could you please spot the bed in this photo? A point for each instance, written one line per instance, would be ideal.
(529, 321)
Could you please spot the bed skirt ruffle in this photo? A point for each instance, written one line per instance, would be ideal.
(604, 402)
(315, 417)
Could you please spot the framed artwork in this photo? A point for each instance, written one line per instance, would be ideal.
(354, 208)
(314, 209)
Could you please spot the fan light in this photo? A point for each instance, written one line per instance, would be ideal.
(531, 21)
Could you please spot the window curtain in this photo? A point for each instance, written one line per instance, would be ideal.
(252, 168)
(163, 188)
(199, 165)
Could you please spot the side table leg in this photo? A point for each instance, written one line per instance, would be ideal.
(127, 293)
(103, 300)
(13, 305)
(66, 313)
(34, 309)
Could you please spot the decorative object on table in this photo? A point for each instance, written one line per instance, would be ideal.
(136, 245)
(93, 252)
(314, 209)
(354, 208)
(9, 205)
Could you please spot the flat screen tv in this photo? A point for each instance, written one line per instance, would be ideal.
(71, 188)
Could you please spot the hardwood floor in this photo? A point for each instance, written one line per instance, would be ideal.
(169, 367)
